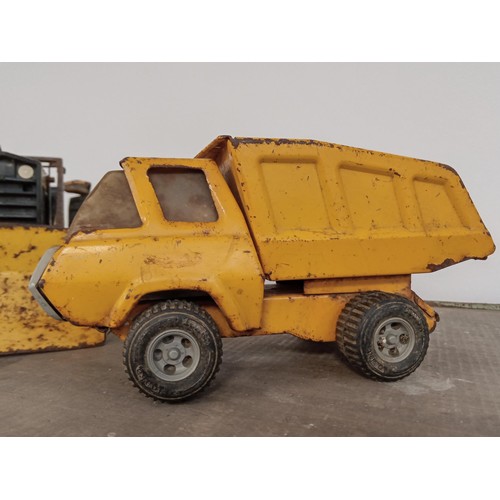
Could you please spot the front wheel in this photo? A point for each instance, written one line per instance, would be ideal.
(173, 350)
(384, 336)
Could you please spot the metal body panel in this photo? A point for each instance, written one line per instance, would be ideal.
(389, 284)
(25, 326)
(320, 210)
(311, 317)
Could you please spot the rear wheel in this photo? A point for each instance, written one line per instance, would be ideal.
(173, 350)
(384, 336)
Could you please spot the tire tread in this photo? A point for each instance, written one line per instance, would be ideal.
(182, 306)
(348, 328)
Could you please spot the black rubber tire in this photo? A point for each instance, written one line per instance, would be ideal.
(360, 320)
(176, 315)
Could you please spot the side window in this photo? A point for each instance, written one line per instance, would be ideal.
(109, 206)
(183, 194)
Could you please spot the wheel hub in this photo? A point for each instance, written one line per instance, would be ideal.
(173, 355)
(394, 340)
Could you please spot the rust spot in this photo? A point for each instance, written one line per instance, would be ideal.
(453, 171)
(447, 167)
(29, 249)
(82, 230)
(29, 227)
(445, 263)
(450, 262)
(236, 141)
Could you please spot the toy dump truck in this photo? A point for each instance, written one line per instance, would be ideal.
(173, 254)
(31, 221)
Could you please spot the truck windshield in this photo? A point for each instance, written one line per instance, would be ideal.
(109, 206)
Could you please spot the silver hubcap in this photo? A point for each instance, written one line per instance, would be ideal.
(173, 355)
(394, 340)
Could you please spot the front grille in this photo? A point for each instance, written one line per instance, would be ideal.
(21, 200)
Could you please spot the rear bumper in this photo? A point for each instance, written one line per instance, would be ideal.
(36, 284)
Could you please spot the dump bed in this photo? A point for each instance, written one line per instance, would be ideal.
(321, 210)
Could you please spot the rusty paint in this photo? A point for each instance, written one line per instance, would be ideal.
(448, 168)
(236, 141)
(331, 206)
(52, 348)
(346, 220)
(88, 230)
(310, 317)
(214, 250)
(27, 250)
(445, 263)
(25, 326)
(32, 228)
(431, 316)
(453, 172)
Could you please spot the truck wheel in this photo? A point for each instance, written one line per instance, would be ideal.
(383, 336)
(173, 350)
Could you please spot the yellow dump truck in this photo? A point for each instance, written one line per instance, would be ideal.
(182, 259)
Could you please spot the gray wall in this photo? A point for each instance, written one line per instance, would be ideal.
(92, 115)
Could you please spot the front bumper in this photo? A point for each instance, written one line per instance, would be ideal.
(36, 284)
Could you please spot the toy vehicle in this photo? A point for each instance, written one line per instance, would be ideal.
(181, 260)
(31, 221)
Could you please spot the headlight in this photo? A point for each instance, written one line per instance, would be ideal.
(26, 172)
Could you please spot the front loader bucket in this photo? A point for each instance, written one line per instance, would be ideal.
(26, 328)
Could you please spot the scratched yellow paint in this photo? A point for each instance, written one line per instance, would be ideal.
(25, 326)
(99, 277)
(335, 219)
(314, 316)
(320, 210)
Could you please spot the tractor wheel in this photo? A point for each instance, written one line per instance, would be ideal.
(173, 350)
(383, 336)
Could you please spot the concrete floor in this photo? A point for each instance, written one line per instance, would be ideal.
(267, 386)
